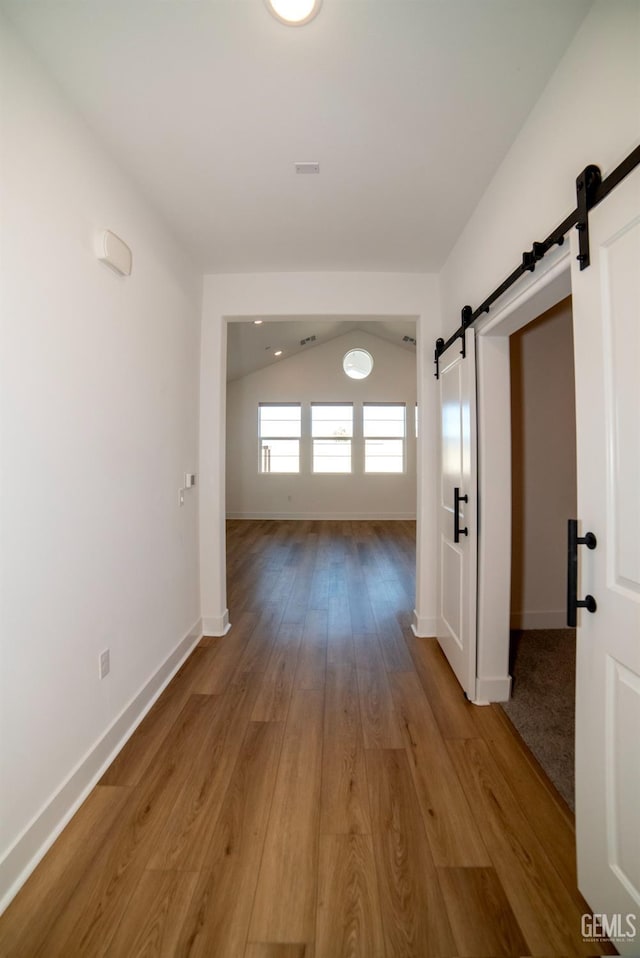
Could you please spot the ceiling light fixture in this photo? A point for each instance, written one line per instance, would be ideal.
(294, 13)
(278, 352)
(257, 322)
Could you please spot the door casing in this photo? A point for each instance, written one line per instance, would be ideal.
(548, 285)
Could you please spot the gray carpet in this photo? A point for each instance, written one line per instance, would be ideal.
(542, 707)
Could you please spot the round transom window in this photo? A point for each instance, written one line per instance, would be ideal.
(357, 363)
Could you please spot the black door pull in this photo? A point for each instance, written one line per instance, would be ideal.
(457, 499)
(573, 602)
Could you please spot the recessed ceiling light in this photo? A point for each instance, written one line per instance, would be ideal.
(278, 352)
(258, 322)
(294, 12)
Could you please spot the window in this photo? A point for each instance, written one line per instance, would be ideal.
(323, 439)
(384, 429)
(279, 431)
(331, 433)
(357, 363)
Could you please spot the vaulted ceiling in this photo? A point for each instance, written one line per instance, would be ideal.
(251, 347)
(407, 105)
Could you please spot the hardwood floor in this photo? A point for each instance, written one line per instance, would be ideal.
(312, 785)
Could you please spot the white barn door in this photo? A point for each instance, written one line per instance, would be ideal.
(458, 511)
(606, 308)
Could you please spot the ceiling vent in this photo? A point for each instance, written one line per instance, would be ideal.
(309, 339)
(409, 339)
(307, 167)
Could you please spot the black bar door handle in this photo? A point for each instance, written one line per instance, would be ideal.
(573, 602)
(457, 499)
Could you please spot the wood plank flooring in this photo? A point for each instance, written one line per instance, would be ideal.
(312, 785)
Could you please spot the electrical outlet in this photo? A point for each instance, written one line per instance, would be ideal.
(105, 663)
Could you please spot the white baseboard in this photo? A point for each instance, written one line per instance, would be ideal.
(35, 841)
(423, 626)
(550, 619)
(216, 624)
(493, 690)
(337, 516)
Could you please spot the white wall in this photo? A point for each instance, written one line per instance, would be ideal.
(543, 455)
(317, 376)
(297, 295)
(98, 423)
(588, 113)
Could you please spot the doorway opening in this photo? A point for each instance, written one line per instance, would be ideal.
(308, 443)
(544, 494)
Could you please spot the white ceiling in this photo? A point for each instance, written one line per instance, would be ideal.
(251, 347)
(408, 106)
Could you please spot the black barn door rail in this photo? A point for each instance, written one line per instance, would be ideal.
(591, 189)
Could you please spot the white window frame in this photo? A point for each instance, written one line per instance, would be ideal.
(327, 438)
(266, 438)
(402, 439)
